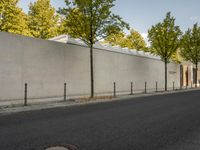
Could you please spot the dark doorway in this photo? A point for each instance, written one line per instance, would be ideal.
(187, 77)
(194, 75)
(181, 75)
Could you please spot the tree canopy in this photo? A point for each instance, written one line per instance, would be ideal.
(190, 45)
(116, 39)
(91, 20)
(134, 40)
(12, 18)
(164, 38)
(42, 20)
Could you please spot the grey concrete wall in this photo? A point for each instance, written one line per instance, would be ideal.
(46, 65)
(124, 69)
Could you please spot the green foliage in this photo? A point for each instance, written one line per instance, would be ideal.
(116, 39)
(12, 18)
(134, 40)
(1, 6)
(190, 45)
(42, 20)
(62, 27)
(91, 20)
(176, 57)
(165, 38)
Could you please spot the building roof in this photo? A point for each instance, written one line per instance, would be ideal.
(67, 39)
(61, 38)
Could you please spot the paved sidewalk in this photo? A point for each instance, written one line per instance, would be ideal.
(69, 103)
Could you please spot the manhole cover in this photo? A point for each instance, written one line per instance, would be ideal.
(66, 147)
(57, 148)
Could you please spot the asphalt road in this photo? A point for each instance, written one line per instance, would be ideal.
(165, 122)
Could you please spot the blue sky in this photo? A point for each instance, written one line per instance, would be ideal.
(142, 14)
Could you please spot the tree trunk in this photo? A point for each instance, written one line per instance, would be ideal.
(92, 71)
(196, 74)
(165, 75)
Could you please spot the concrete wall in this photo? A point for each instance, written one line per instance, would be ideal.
(124, 69)
(46, 65)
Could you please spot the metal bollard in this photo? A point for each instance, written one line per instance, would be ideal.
(173, 86)
(131, 88)
(191, 85)
(145, 90)
(65, 91)
(25, 94)
(156, 86)
(114, 89)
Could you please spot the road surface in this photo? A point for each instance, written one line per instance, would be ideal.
(164, 122)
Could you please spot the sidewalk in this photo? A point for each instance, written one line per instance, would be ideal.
(68, 103)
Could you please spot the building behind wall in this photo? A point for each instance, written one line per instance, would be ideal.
(188, 75)
(47, 65)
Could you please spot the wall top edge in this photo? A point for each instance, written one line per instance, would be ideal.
(97, 45)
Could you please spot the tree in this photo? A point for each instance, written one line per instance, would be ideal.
(12, 18)
(1, 6)
(91, 20)
(176, 57)
(62, 27)
(164, 38)
(190, 47)
(42, 19)
(116, 39)
(134, 40)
